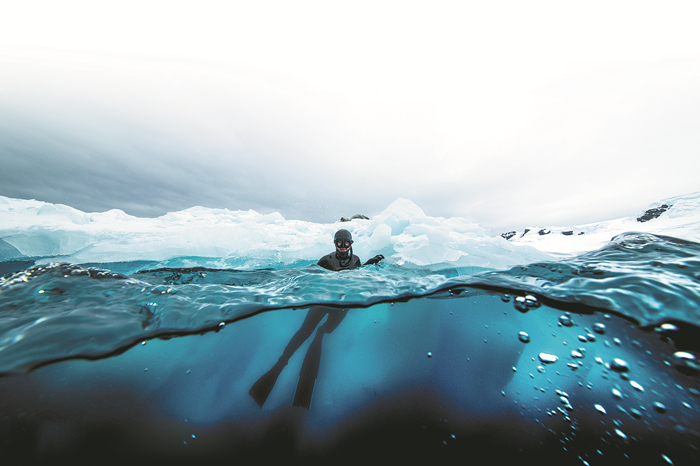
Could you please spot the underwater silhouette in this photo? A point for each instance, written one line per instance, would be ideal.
(309, 369)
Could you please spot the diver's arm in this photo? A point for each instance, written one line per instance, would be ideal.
(374, 260)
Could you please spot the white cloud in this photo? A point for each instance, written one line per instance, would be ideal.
(508, 113)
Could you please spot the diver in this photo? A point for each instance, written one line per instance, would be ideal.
(342, 259)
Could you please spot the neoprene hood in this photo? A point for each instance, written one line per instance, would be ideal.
(342, 234)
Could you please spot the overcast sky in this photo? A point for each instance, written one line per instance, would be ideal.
(510, 114)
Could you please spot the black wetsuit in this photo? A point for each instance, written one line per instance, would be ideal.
(333, 262)
(312, 360)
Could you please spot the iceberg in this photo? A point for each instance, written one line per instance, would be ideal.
(222, 238)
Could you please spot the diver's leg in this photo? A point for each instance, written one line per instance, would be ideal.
(308, 373)
(335, 317)
(262, 388)
(312, 360)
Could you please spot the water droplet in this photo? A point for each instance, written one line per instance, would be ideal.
(636, 386)
(601, 409)
(619, 365)
(565, 321)
(599, 328)
(524, 337)
(430, 355)
(548, 358)
(659, 407)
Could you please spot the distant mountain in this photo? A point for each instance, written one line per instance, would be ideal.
(678, 216)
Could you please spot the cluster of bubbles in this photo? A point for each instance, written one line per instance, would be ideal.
(686, 361)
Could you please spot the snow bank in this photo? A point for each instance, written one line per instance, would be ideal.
(681, 220)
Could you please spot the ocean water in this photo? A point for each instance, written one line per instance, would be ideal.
(590, 359)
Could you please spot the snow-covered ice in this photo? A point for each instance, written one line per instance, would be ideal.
(403, 233)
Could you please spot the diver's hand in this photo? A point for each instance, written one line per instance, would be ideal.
(374, 260)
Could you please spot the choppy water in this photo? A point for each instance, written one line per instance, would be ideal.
(58, 311)
(608, 340)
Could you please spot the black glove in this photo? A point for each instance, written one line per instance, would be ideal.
(374, 260)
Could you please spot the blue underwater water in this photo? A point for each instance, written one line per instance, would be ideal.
(588, 360)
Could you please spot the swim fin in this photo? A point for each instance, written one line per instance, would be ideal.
(262, 388)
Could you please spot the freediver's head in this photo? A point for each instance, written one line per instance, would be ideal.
(343, 242)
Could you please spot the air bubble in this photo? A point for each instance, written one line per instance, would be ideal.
(524, 337)
(666, 328)
(548, 358)
(659, 407)
(430, 355)
(636, 386)
(601, 409)
(619, 365)
(686, 360)
(505, 298)
(565, 321)
(520, 304)
(531, 301)
(616, 394)
(621, 434)
(599, 328)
